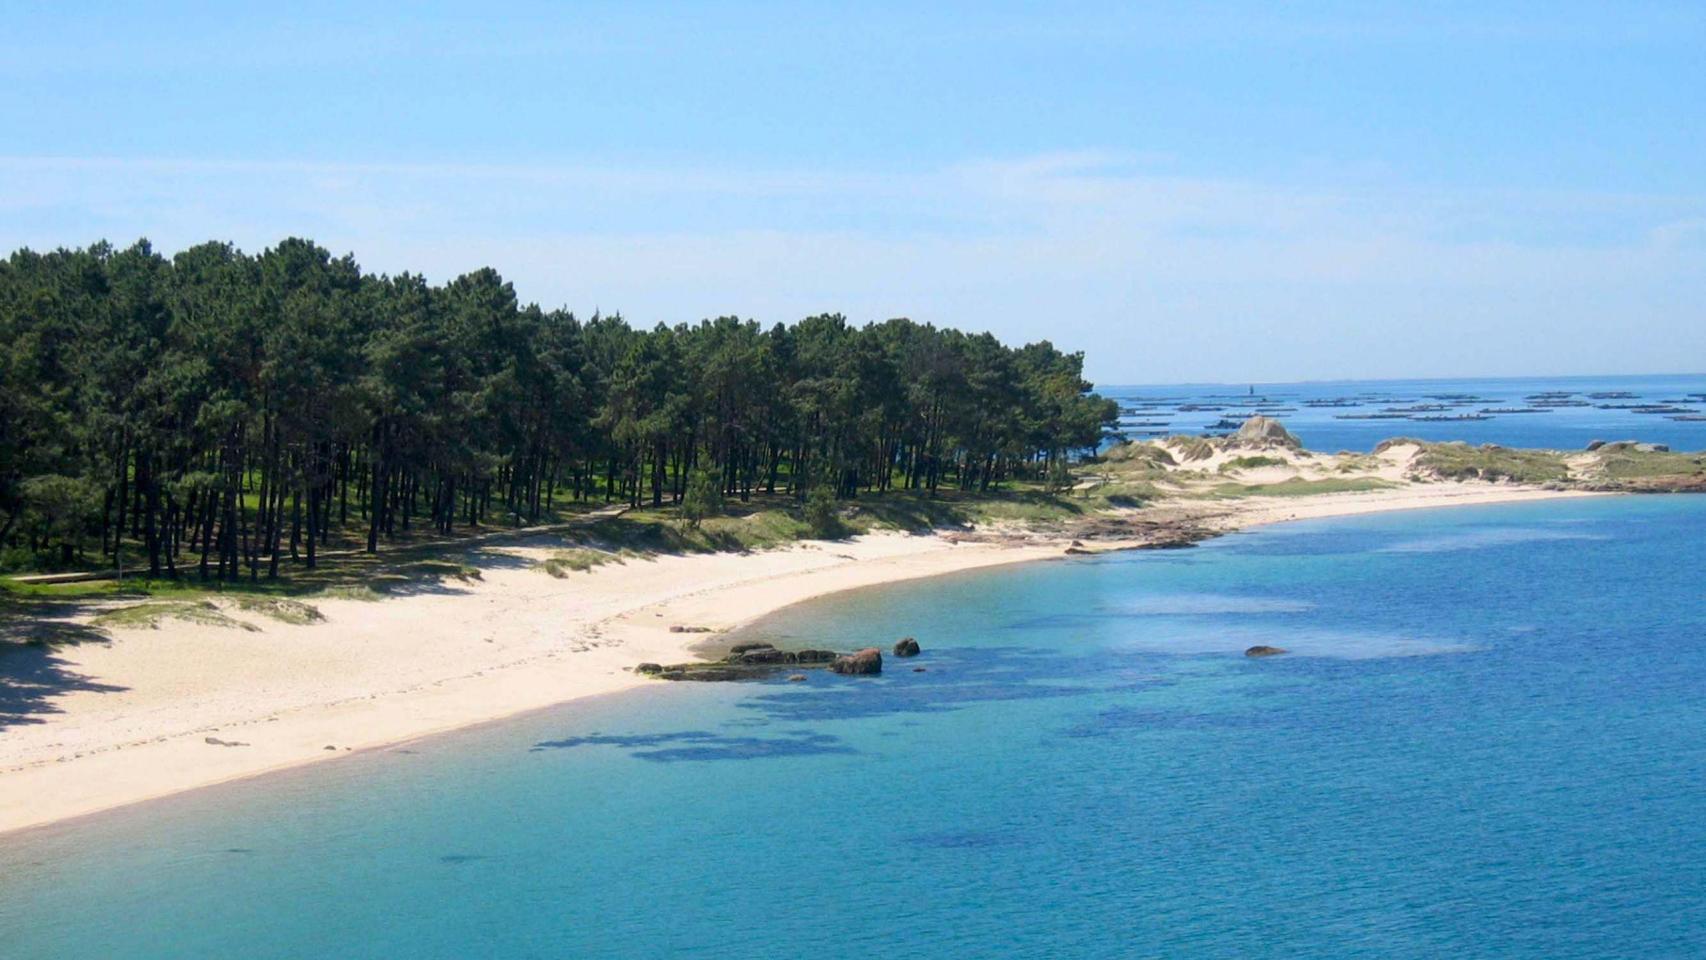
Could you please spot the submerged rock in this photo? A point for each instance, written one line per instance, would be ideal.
(906, 647)
(713, 672)
(754, 661)
(1261, 650)
(796, 678)
(866, 661)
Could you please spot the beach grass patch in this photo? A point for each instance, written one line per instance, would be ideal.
(1460, 461)
(1252, 463)
(576, 560)
(351, 591)
(1644, 464)
(150, 615)
(282, 609)
(1298, 487)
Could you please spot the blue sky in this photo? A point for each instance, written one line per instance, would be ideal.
(1206, 192)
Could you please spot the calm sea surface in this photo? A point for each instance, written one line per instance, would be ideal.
(1489, 741)
(1556, 413)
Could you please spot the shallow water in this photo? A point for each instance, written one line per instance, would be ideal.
(1322, 428)
(1487, 741)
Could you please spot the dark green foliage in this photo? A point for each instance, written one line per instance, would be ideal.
(219, 414)
(822, 517)
(703, 497)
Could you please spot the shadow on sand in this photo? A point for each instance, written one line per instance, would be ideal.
(33, 674)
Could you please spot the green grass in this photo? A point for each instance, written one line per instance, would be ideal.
(1297, 487)
(281, 609)
(350, 591)
(655, 530)
(1140, 453)
(152, 614)
(1635, 464)
(1460, 461)
(1357, 463)
(576, 560)
(1252, 463)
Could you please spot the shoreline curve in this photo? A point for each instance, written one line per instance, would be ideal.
(199, 707)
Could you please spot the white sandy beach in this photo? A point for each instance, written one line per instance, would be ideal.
(137, 723)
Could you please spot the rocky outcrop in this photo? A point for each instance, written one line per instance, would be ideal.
(906, 647)
(1265, 432)
(1264, 651)
(712, 672)
(866, 661)
(760, 661)
(1628, 446)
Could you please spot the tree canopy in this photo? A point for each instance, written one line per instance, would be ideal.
(219, 411)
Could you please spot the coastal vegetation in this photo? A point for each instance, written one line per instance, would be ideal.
(1460, 461)
(217, 415)
(1299, 487)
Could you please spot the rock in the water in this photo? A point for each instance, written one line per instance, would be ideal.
(1628, 446)
(906, 647)
(764, 654)
(814, 656)
(1265, 431)
(649, 669)
(866, 661)
(1264, 651)
(744, 647)
(917, 669)
(712, 673)
(1076, 551)
(796, 678)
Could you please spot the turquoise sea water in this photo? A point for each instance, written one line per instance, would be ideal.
(1489, 741)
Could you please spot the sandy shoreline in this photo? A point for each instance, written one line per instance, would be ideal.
(156, 712)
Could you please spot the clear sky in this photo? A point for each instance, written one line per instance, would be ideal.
(1229, 191)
